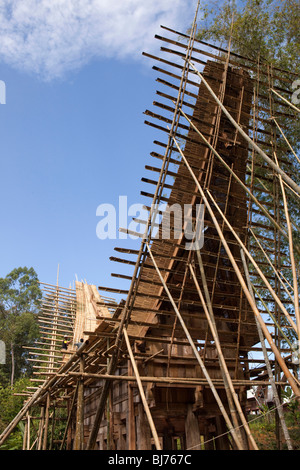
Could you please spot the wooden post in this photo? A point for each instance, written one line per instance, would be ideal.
(46, 422)
(203, 368)
(143, 430)
(69, 416)
(25, 434)
(142, 393)
(28, 431)
(131, 414)
(79, 432)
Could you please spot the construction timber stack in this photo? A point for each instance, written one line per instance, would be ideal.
(169, 367)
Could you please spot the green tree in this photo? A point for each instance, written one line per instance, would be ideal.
(19, 300)
(11, 401)
(266, 32)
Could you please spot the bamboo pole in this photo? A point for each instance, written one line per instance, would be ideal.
(250, 194)
(280, 360)
(267, 362)
(286, 140)
(69, 416)
(271, 315)
(203, 368)
(269, 287)
(28, 430)
(131, 415)
(41, 429)
(134, 280)
(285, 100)
(275, 167)
(52, 427)
(210, 318)
(271, 264)
(165, 380)
(253, 261)
(208, 310)
(38, 393)
(25, 434)
(292, 258)
(78, 441)
(142, 393)
(45, 439)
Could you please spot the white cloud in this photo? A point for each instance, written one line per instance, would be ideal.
(53, 37)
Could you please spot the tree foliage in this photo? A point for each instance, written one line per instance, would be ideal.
(19, 300)
(266, 33)
(265, 28)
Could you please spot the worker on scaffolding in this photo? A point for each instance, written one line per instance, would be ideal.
(64, 347)
(79, 344)
(65, 343)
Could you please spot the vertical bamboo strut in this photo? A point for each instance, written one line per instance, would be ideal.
(292, 258)
(232, 173)
(79, 434)
(203, 368)
(286, 101)
(41, 429)
(69, 416)
(211, 322)
(127, 308)
(25, 434)
(267, 362)
(142, 393)
(281, 362)
(28, 430)
(275, 167)
(270, 263)
(52, 427)
(228, 382)
(259, 271)
(45, 440)
(286, 140)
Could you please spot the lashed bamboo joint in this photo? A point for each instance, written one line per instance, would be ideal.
(171, 364)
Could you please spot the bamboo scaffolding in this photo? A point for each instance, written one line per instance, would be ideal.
(259, 271)
(286, 101)
(292, 258)
(254, 199)
(131, 294)
(79, 432)
(275, 167)
(281, 362)
(203, 368)
(165, 304)
(141, 390)
(210, 318)
(267, 362)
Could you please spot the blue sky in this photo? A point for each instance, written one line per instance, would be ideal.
(72, 129)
